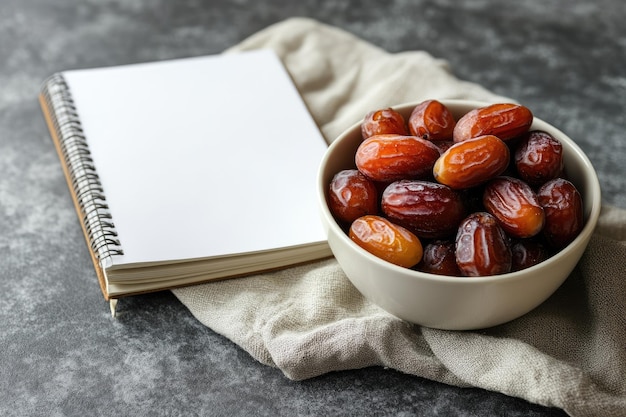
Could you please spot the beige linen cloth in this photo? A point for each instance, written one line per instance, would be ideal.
(569, 353)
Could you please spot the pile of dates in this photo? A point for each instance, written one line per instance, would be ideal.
(481, 195)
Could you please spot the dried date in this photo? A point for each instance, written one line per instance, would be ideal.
(387, 158)
(482, 247)
(527, 253)
(352, 195)
(439, 258)
(515, 205)
(538, 158)
(472, 162)
(386, 240)
(504, 120)
(428, 209)
(563, 207)
(431, 120)
(384, 121)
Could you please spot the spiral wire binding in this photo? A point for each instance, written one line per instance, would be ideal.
(83, 176)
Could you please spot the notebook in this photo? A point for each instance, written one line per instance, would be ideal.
(188, 170)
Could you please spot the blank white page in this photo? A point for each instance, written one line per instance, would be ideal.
(203, 156)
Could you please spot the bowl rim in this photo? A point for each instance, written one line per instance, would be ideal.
(591, 219)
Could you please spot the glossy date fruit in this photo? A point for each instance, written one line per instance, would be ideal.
(515, 205)
(386, 240)
(563, 206)
(352, 195)
(439, 258)
(538, 158)
(431, 120)
(486, 193)
(482, 247)
(384, 121)
(387, 158)
(472, 162)
(428, 209)
(504, 120)
(527, 253)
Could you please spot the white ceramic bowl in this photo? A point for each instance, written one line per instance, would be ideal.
(456, 303)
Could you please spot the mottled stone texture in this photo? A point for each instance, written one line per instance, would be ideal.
(62, 354)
